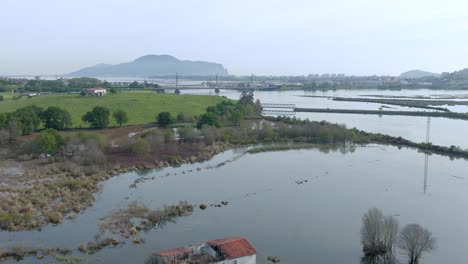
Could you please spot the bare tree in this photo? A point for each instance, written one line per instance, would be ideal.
(390, 232)
(414, 240)
(378, 235)
(372, 232)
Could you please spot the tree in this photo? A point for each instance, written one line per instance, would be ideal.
(164, 119)
(217, 91)
(177, 91)
(1, 98)
(246, 98)
(414, 240)
(49, 141)
(83, 93)
(56, 118)
(209, 119)
(371, 230)
(120, 117)
(390, 233)
(236, 117)
(258, 107)
(107, 84)
(83, 83)
(134, 84)
(98, 117)
(378, 235)
(113, 90)
(29, 119)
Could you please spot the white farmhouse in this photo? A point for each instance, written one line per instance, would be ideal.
(231, 250)
(98, 91)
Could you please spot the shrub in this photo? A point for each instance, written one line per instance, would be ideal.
(55, 217)
(98, 117)
(169, 136)
(90, 153)
(209, 119)
(4, 135)
(140, 146)
(185, 118)
(29, 147)
(6, 219)
(56, 118)
(93, 137)
(120, 117)
(210, 134)
(49, 141)
(164, 119)
(155, 139)
(188, 134)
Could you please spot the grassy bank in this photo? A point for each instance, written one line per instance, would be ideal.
(451, 115)
(141, 107)
(427, 104)
(280, 147)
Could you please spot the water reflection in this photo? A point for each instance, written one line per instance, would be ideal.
(321, 216)
(426, 164)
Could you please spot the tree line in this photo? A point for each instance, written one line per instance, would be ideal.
(65, 85)
(224, 113)
(61, 85)
(30, 119)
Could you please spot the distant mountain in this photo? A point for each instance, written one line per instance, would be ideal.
(416, 74)
(153, 65)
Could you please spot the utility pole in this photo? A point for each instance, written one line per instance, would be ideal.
(177, 80)
(216, 80)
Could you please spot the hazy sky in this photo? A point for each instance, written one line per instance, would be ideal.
(261, 36)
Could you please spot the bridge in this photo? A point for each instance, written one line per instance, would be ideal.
(278, 109)
(278, 106)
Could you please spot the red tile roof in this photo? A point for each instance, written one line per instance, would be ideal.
(174, 252)
(233, 247)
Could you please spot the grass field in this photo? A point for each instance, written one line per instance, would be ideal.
(141, 107)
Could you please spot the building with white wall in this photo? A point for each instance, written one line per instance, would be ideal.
(98, 91)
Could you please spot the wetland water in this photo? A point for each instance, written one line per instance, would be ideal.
(444, 131)
(314, 222)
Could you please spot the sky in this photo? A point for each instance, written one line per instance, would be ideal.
(264, 37)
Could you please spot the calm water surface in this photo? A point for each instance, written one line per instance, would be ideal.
(444, 131)
(314, 222)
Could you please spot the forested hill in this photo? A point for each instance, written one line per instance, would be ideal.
(416, 74)
(153, 65)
